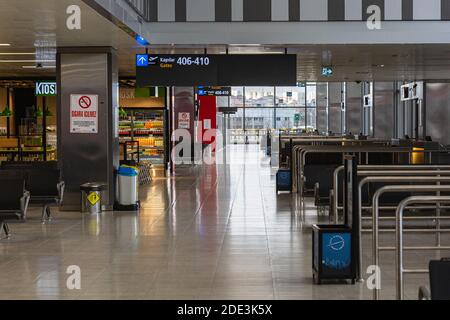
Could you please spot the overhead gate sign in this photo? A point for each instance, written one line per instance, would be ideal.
(83, 113)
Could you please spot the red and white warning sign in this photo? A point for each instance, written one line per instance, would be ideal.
(83, 113)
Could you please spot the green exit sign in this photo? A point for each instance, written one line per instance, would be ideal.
(297, 117)
(327, 71)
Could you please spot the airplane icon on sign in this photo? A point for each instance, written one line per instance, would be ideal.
(152, 60)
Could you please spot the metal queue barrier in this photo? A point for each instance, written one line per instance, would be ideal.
(413, 177)
(417, 151)
(378, 170)
(300, 159)
(287, 150)
(300, 154)
(369, 151)
(287, 145)
(399, 239)
(288, 142)
(397, 173)
(435, 174)
(409, 188)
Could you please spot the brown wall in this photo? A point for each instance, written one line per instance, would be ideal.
(127, 100)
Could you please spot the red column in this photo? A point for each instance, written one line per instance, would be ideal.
(207, 116)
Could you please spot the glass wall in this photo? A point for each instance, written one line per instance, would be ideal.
(259, 96)
(262, 108)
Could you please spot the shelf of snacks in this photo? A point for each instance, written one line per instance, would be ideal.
(146, 127)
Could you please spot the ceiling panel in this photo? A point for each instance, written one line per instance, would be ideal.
(36, 28)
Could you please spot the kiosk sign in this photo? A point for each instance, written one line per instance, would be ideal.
(45, 89)
(83, 113)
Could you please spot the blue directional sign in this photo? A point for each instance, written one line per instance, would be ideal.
(141, 60)
(327, 71)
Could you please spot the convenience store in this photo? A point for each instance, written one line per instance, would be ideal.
(27, 121)
(143, 125)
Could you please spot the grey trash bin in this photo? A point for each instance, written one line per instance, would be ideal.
(128, 189)
(91, 197)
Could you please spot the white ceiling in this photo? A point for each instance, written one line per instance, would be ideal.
(39, 27)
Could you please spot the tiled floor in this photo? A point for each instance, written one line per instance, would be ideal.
(208, 233)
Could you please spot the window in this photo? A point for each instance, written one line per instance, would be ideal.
(237, 97)
(275, 107)
(311, 95)
(258, 118)
(290, 96)
(290, 118)
(236, 119)
(311, 118)
(259, 96)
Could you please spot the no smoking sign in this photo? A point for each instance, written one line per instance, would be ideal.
(84, 102)
(83, 113)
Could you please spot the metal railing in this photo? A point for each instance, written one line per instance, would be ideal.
(375, 214)
(432, 177)
(390, 168)
(399, 237)
(300, 152)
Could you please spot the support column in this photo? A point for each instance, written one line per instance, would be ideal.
(88, 157)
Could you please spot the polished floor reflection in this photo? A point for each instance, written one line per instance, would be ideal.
(213, 232)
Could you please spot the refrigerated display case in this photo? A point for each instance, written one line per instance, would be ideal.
(147, 127)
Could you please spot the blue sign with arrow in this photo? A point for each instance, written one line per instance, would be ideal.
(142, 60)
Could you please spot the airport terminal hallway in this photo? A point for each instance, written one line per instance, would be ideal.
(214, 232)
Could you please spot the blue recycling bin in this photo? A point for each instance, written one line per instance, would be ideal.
(284, 180)
(333, 257)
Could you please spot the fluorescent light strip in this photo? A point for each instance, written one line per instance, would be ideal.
(35, 67)
(245, 45)
(25, 61)
(5, 44)
(243, 52)
(17, 53)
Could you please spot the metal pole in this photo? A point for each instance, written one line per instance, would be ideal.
(399, 237)
(336, 193)
(375, 211)
(44, 128)
(362, 173)
(432, 178)
(8, 122)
